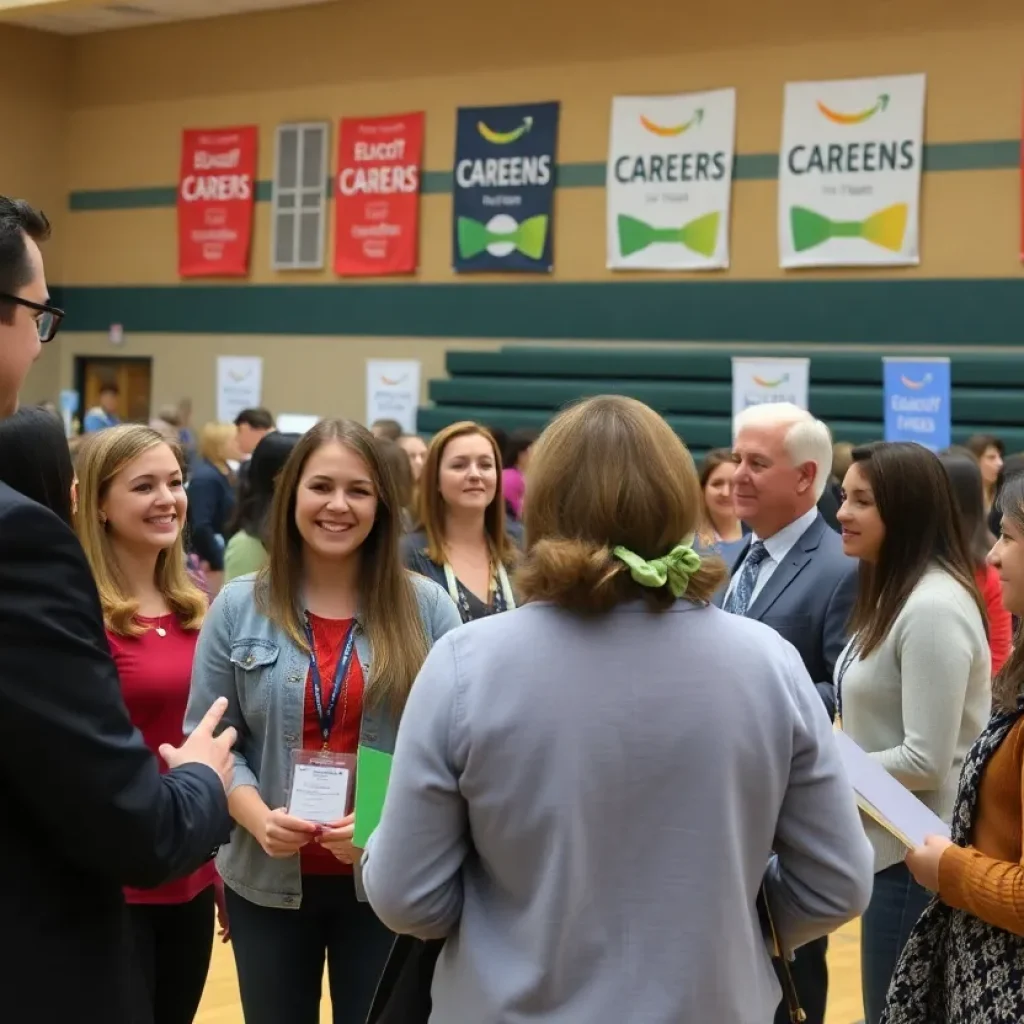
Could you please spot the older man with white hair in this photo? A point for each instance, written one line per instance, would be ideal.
(793, 576)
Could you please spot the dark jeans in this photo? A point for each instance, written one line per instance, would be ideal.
(810, 978)
(172, 947)
(280, 954)
(896, 903)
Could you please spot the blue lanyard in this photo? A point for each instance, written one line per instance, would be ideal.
(326, 717)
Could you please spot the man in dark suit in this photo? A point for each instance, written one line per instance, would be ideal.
(793, 576)
(86, 809)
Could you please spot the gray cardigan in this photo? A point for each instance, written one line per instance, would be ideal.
(919, 701)
(587, 807)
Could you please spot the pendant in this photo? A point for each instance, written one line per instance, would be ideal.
(160, 631)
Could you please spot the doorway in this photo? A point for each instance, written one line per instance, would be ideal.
(133, 379)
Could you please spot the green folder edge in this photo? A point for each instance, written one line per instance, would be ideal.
(373, 773)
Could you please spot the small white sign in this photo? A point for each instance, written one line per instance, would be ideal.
(762, 379)
(296, 422)
(239, 385)
(393, 391)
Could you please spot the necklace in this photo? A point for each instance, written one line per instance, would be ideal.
(159, 628)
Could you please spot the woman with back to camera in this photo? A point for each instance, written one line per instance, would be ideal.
(130, 524)
(964, 963)
(317, 652)
(36, 461)
(464, 538)
(246, 551)
(914, 681)
(211, 496)
(965, 478)
(587, 790)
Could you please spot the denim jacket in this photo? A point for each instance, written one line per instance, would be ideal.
(243, 656)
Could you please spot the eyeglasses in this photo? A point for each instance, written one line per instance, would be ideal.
(49, 320)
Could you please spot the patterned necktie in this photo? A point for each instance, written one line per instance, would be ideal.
(738, 600)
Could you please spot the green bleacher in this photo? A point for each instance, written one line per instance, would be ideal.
(524, 386)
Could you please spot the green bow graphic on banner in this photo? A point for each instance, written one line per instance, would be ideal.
(885, 228)
(528, 237)
(700, 235)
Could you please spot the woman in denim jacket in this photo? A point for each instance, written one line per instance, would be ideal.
(279, 645)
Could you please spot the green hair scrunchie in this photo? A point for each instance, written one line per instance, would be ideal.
(673, 570)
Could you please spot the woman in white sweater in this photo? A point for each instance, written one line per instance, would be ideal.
(913, 682)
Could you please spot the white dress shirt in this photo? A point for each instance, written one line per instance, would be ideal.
(778, 545)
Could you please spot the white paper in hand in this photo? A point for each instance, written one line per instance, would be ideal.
(881, 797)
(319, 793)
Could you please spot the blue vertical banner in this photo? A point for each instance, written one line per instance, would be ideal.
(504, 189)
(917, 401)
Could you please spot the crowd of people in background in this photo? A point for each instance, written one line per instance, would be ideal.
(607, 684)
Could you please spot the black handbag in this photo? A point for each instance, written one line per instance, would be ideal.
(403, 992)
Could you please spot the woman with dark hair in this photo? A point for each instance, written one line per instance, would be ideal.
(965, 479)
(246, 552)
(36, 461)
(616, 750)
(989, 451)
(964, 963)
(914, 681)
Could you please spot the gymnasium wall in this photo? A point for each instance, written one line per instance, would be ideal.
(34, 78)
(130, 94)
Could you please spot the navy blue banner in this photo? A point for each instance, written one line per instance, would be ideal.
(504, 188)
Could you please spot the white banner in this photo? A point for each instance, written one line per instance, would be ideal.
(393, 391)
(670, 181)
(850, 172)
(761, 379)
(239, 385)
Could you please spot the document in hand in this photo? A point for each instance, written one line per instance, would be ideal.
(881, 797)
(373, 773)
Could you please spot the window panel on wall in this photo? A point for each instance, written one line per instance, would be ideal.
(300, 196)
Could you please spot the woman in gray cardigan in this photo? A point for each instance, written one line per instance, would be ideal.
(913, 682)
(587, 791)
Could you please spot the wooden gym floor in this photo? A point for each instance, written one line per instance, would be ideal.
(220, 1003)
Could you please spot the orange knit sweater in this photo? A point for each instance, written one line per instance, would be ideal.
(987, 878)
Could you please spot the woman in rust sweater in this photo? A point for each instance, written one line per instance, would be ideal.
(964, 963)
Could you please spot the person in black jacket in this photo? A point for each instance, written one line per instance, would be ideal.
(86, 809)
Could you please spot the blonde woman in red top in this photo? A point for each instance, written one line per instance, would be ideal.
(132, 507)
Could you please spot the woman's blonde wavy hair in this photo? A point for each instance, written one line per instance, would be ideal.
(99, 462)
(608, 472)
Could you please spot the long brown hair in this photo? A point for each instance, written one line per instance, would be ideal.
(431, 504)
(387, 599)
(922, 529)
(1009, 683)
(640, 490)
(106, 454)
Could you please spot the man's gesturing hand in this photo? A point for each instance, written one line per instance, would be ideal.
(202, 747)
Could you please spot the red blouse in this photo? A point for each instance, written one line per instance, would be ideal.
(156, 673)
(329, 640)
(1000, 622)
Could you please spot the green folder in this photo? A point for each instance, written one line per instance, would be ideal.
(373, 772)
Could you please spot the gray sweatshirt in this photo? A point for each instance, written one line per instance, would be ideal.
(585, 808)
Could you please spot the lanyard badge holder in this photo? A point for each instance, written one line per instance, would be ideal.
(321, 785)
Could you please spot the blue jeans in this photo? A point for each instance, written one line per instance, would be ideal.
(896, 903)
(280, 954)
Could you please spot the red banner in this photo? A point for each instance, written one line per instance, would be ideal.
(377, 194)
(216, 193)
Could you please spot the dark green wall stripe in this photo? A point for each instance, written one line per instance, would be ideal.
(994, 155)
(889, 312)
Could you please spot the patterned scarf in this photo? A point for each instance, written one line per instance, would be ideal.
(956, 969)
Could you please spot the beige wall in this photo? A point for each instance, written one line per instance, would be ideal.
(34, 76)
(129, 94)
